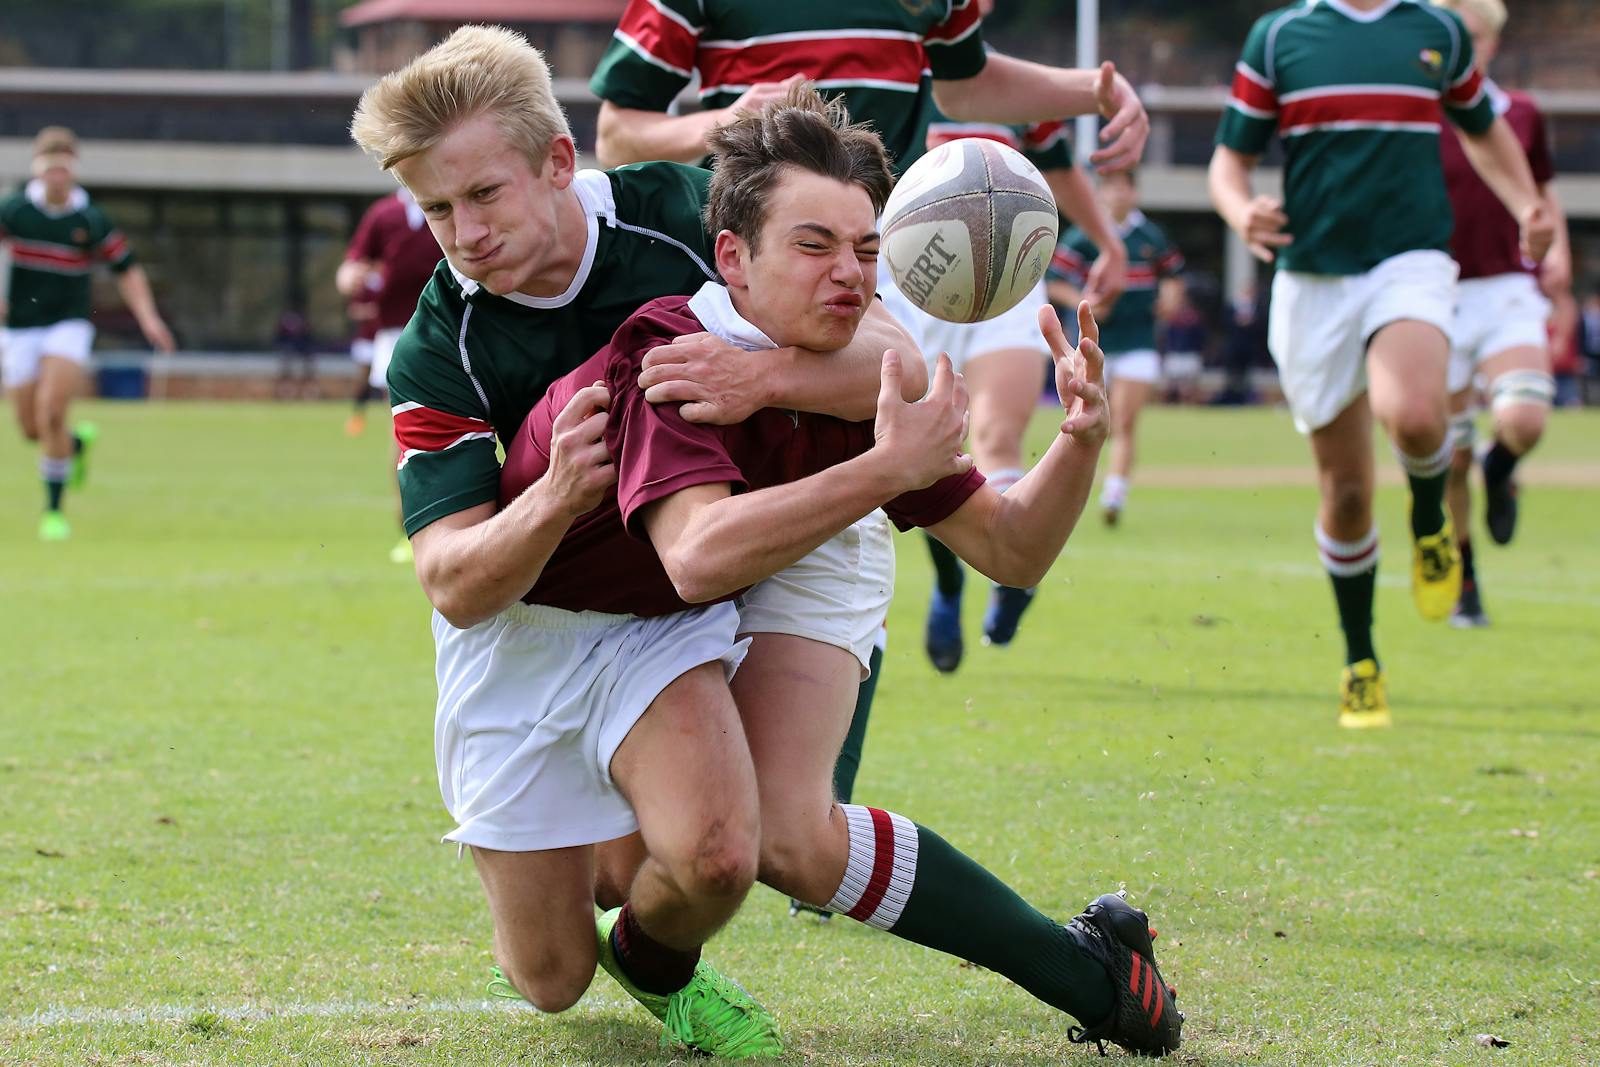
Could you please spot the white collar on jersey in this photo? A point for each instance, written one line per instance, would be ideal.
(594, 193)
(1356, 14)
(1499, 99)
(1134, 220)
(77, 200)
(714, 308)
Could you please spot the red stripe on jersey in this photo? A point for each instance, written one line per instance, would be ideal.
(1068, 262)
(1465, 91)
(41, 253)
(958, 25)
(1358, 107)
(944, 132)
(859, 59)
(882, 866)
(113, 247)
(427, 430)
(657, 33)
(1252, 93)
(1042, 135)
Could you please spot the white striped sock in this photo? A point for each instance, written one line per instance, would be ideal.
(1429, 466)
(1344, 559)
(54, 470)
(881, 869)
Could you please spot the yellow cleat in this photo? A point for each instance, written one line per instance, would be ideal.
(1436, 574)
(1363, 700)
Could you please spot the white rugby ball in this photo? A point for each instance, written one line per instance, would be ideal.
(969, 230)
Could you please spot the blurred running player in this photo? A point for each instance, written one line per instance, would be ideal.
(1128, 330)
(56, 236)
(363, 312)
(1500, 337)
(1365, 292)
(393, 248)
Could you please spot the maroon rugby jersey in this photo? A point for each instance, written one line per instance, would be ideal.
(606, 562)
(1486, 234)
(394, 232)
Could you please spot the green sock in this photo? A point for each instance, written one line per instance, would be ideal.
(908, 880)
(1353, 570)
(1427, 476)
(949, 573)
(849, 761)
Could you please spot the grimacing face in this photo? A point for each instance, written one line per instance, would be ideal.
(816, 264)
(494, 212)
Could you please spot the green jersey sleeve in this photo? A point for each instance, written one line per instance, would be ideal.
(1048, 145)
(1073, 257)
(955, 44)
(110, 245)
(1466, 100)
(448, 459)
(1168, 260)
(651, 56)
(1251, 116)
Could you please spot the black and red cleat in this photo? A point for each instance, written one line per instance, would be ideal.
(1146, 1020)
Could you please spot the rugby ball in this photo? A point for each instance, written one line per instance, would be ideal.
(969, 230)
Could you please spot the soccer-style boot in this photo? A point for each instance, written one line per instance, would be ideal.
(1145, 1019)
(1006, 605)
(1111, 514)
(1500, 509)
(712, 1013)
(1436, 574)
(500, 986)
(1469, 614)
(53, 526)
(941, 637)
(1363, 697)
(85, 435)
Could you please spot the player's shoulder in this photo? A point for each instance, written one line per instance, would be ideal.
(1425, 17)
(642, 191)
(664, 317)
(12, 203)
(435, 329)
(1271, 21)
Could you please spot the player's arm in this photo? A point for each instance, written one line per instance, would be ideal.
(1109, 274)
(712, 543)
(1258, 220)
(1013, 90)
(355, 275)
(721, 384)
(637, 135)
(135, 289)
(475, 563)
(1555, 271)
(1014, 537)
(1498, 158)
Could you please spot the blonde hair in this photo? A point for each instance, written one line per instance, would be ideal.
(55, 141)
(1492, 12)
(477, 70)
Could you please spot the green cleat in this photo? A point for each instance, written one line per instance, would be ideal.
(86, 433)
(712, 1013)
(53, 526)
(499, 986)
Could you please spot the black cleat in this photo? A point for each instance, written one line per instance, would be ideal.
(1500, 508)
(1146, 1020)
(1469, 614)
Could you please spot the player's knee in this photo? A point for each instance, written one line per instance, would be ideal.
(1520, 425)
(723, 865)
(1350, 504)
(1419, 427)
(551, 982)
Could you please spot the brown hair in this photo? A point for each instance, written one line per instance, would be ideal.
(477, 70)
(799, 131)
(55, 141)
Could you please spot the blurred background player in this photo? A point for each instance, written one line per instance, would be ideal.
(1364, 295)
(1003, 361)
(1500, 334)
(393, 243)
(363, 312)
(1128, 329)
(56, 236)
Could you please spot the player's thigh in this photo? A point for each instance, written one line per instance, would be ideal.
(616, 865)
(685, 768)
(1004, 387)
(1128, 398)
(1518, 358)
(61, 378)
(543, 911)
(1343, 451)
(1407, 363)
(25, 406)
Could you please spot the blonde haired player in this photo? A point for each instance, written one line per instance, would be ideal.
(1365, 291)
(56, 236)
(1499, 338)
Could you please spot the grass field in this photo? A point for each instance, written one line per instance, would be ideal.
(219, 824)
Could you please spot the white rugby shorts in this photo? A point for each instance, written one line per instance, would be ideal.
(1320, 324)
(362, 349)
(965, 341)
(1494, 315)
(838, 595)
(534, 702)
(382, 351)
(1138, 365)
(21, 350)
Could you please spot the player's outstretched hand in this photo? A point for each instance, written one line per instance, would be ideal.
(1125, 134)
(716, 382)
(580, 466)
(1262, 228)
(921, 442)
(1080, 376)
(1538, 225)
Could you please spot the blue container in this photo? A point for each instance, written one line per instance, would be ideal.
(126, 382)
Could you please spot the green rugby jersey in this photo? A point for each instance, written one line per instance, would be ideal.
(1356, 97)
(880, 55)
(471, 365)
(53, 253)
(1047, 145)
(1131, 326)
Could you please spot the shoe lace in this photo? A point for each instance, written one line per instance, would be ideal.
(498, 986)
(1438, 556)
(1079, 1036)
(714, 1014)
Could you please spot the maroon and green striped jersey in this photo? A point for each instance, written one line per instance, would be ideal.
(1356, 97)
(53, 253)
(1131, 326)
(1048, 145)
(880, 55)
(471, 365)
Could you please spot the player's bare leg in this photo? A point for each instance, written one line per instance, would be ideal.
(543, 921)
(1406, 370)
(1347, 543)
(1003, 387)
(887, 871)
(1521, 391)
(1468, 611)
(1129, 398)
